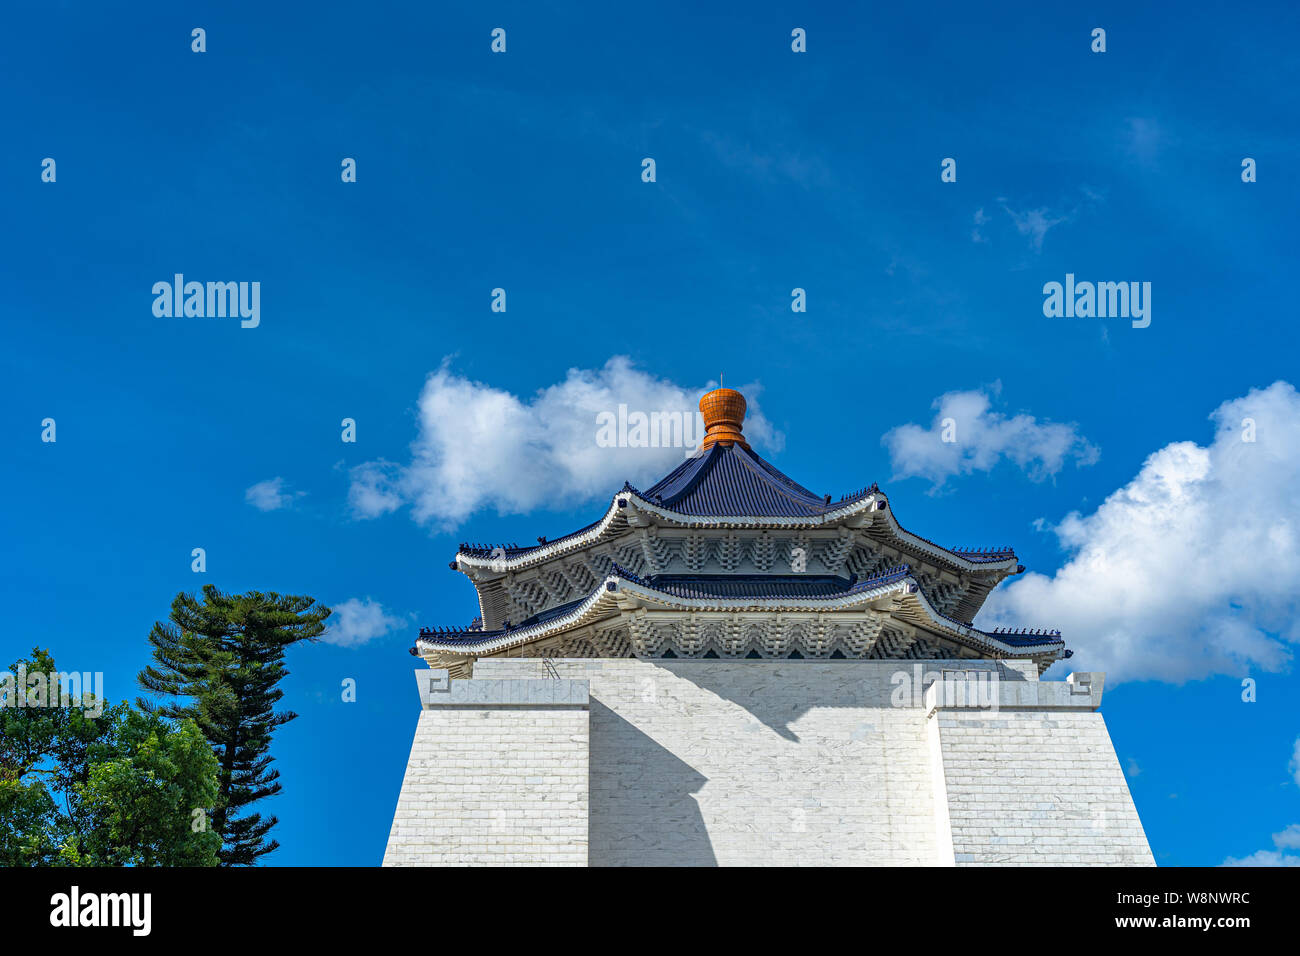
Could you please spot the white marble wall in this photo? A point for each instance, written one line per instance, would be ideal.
(1037, 786)
(706, 762)
(495, 780)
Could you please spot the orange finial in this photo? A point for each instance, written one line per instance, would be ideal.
(724, 413)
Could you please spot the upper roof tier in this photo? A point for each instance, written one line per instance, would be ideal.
(726, 484)
(730, 479)
(727, 478)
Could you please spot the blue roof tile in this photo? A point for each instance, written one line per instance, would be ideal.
(732, 480)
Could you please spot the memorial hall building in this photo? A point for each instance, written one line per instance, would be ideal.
(728, 669)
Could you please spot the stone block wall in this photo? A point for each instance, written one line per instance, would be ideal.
(1035, 787)
(497, 775)
(710, 762)
(793, 763)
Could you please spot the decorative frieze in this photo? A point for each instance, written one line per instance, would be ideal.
(658, 634)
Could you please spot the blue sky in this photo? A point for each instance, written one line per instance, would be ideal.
(775, 170)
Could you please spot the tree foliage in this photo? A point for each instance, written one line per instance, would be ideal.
(219, 661)
(118, 789)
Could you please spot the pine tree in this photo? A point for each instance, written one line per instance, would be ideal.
(222, 659)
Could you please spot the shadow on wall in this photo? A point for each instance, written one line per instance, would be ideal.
(778, 693)
(764, 689)
(642, 809)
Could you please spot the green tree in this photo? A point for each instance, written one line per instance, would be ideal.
(120, 788)
(221, 659)
(133, 796)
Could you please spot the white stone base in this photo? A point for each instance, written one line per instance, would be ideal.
(718, 762)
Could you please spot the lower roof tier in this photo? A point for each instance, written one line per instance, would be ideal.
(820, 616)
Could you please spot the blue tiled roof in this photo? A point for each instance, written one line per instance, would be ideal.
(770, 586)
(474, 634)
(732, 480)
(726, 480)
(729, 480)
(982, 555)
(1014, 636)
(1026, 638)
(750, 585)
(512, 549)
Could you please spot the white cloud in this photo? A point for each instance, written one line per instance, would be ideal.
(1264, 858)
(1193, 567)
(1288, 839)
(271, 495)
(356, 622)
(373, 489)
(1295, 762)
(482, 447)
(982, 438)
(1035, 223)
